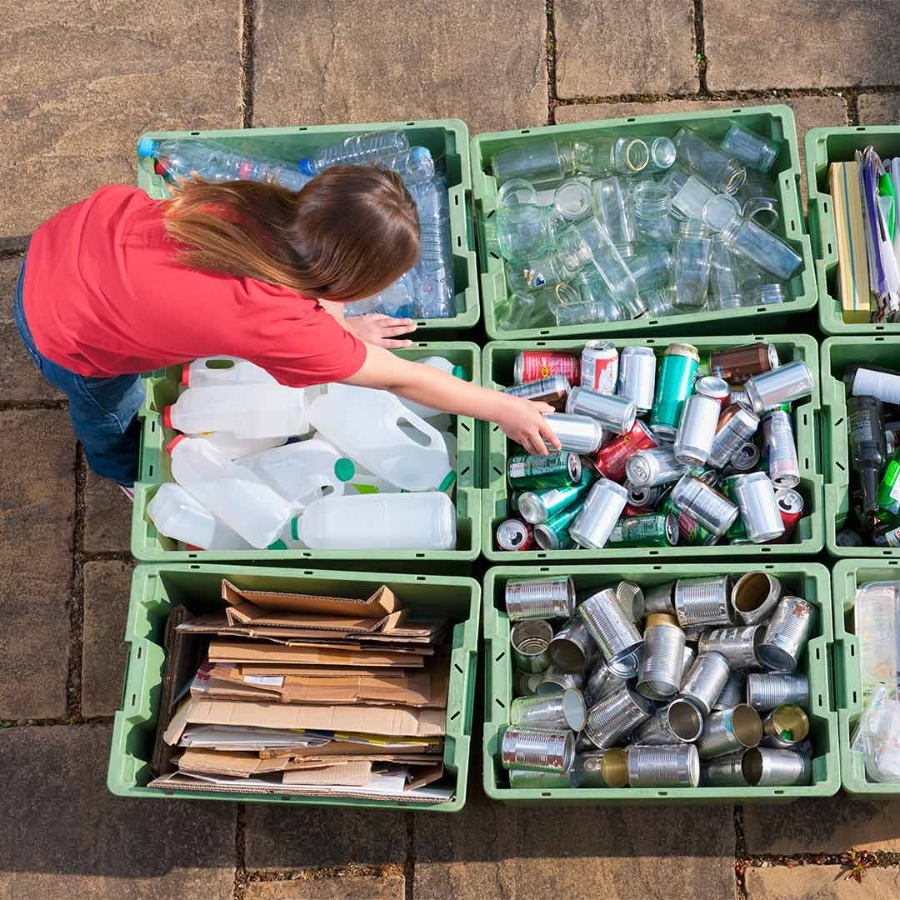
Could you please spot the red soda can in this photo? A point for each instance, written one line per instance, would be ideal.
(600, 367)
(790, 505)
(514, 534)
(610, 460)
(535, 365)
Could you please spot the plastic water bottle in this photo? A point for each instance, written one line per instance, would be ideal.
(358, 150)
(414, 165)
(365, 425)
(245, 410)
(237, 448)
(177, 515)
(303, 472)
(443, 365)
(434, 271)
(213, 370)
(425, 521)
(391, 301)
(212, 161)
(231, 492)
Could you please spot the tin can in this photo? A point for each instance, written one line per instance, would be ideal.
(664, 767)
(601, 769)
(601, 683)
(705, 681)
(641, 499)
(554, 681)
(745, 458)
(730, 731)
(754, 596)
(612, 630)
(524, 779)
(782, 385)
(554, 713)
(717, 388)
(785, 726)
(599, 514)
(554, 533)
(705, 504)
(537, 751)
(702, 601)
(790, 505)
(525, 683)
(559, 469)
(653, 467)
(540, 598)
(787, 633)
(781, 450)
(739, 769)
(537, 365)
(783, 768)
(615, 414)
(737, 364)
(529, 642)
(733, 693)
(513, 534)
(696, 430)
(612, 460)
(637, 377)
(739, 397)
(735, 427)
(767, 690)
(688, 657)
(572, 647)
(631, 599)
(553, 390)
(600, 367)
(659, 676)
(755, 495)
(580, 434)
(650, 530)
(616, 715)
(537, 507)
(660, 599)
(673, 386)
(737, 645)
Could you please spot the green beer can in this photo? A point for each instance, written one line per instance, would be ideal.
(538, 507)
(674, 384)
(554, 533)
(651, 530)
(556, 470)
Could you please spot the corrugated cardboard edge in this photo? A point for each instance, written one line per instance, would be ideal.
(381, 603)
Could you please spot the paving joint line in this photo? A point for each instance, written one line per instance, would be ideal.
(409, 869)
(248, 12)
(14, 247)
(55, 722)
(76, 604)
(352, 870)
(550, 52)
(31, 405)
(749, 94)
(700, 45)
(241, 877)
(740, 853)
(851, 99)
(877, 859)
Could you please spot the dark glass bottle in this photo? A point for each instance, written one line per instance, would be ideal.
(867, 447)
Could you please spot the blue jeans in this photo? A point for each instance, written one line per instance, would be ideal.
(103, 410)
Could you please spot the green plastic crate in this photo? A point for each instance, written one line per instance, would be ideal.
(808, 580)
(155, 589)
(808, 537)
(848, 575)
(824, 146)
(837, 354)
(148, 545)
(447, 139)
(773, 121)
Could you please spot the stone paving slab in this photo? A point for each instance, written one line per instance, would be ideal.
(66, 836)
(771, 44)
(830, 825)
(81, 81)
(328, 61)
(37, 503)
(350, 887)
(107, 516)
(642, 47)
(820, 883)
(104, 652)
(879, 109)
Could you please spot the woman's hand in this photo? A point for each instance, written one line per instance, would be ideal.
(381, 330)
(523, 421)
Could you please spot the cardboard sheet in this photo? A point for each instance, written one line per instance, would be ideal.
(237, 652)
(380, 604)
(353, 774)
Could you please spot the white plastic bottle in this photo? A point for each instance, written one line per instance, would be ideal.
(444, 365)
(421, 521)
(177, 515)
(237, 448)
(231, 492)
(245, 410)
(303, 472)
(209, 371)
(365, 425)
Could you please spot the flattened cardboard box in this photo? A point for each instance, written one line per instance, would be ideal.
(237, 652)
(382, 603)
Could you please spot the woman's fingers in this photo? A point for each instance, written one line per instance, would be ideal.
(390, 344)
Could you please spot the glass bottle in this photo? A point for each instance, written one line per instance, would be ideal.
(867, 448)
(724, 285)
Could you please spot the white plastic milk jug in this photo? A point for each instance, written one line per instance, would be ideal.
(177, 515)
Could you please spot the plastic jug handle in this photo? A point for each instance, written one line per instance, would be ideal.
(418, 424)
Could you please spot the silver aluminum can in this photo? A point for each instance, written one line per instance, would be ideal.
(755, 495)
(739, 769)
(530, 645)
(523, 778)
(696, 430)
(643, 497)
(739, 395)
(659, 676)
(754, 596)
(687, 660)
(600, 366)
(637, 376)
(787, 633)
(704, 504)
(615, 414)
(783, 768)
(782, 385)
(703, 601)
(659, 767)
(737, 645)
(785, 727)
(781, 449)
(572, 646)
(616, 715)
(733, 693)
(537, 751)
(540, 598)
(790, 502)
(653, 467)
(555, 712)
(715, 387)
(745, 458)
(735, 427)
(525, 684)
(513, 534)
(730, 731)
(705, 681)
(607, 623)
(631, 599)
(554, 681)
(601, 683)
(679, 722)
(660, 599)
(601, 769)
(598, 515)
(767, 690)
(554, 384)
(579, 434)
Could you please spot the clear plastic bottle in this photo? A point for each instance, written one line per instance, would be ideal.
(415, 165)
(245, 410)
(237, 448)
(231, 492)
(177, 515)
(420, 521)
(610, 155)
(433, 274)
(724, 278)
(754, 243)
(357, 150)
(752, 149)
(690, 276)
(219, 370)
(707, 160)
(397, 299)
(611, 210)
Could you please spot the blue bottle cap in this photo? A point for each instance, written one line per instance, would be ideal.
(421, 155)
(147, 147)
(307, 166)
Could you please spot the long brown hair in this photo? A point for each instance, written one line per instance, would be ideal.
(348, 234)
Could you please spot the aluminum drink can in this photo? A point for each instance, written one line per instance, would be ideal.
(611, 460)
(781, 450)
(615, 414)
(790, 505)
(540, 598)
(513, 501)
(745, 458)
(705, 504)
(580, 434)
(739, 397)
(537, 507)
(641, 498)
(755, 495)
(600, 367)
(553, 390)
(650, 530)
(559, 469)
(653, 466)
(735, 427)
(599, 514)
(513, 534)
(536, 365)
(554, 533)
(637, 376)
(787, 633)
(737, 364)
(673, 386)
(717, 388)
(782, 385)
(696, 430)
(690, 531)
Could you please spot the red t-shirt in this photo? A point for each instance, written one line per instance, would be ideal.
(105, 295)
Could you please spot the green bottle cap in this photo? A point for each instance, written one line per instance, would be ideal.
(277, 545)
(447, 483)
(295, 528)
(344, 469)
(459, 372)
